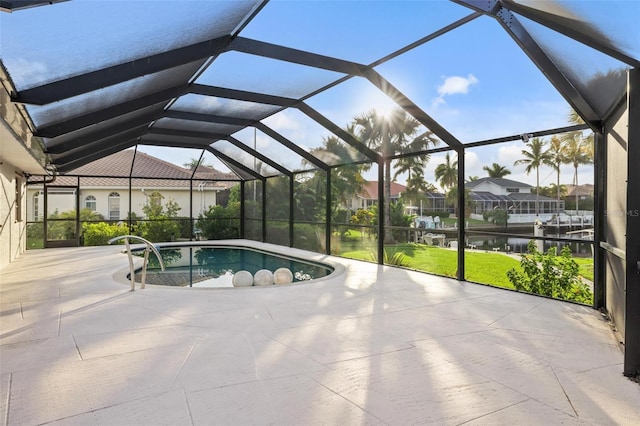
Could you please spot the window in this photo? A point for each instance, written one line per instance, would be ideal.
(90, 203)
(36, 205)
(114, 206)
(513, 190)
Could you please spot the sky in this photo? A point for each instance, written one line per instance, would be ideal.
(475, 81)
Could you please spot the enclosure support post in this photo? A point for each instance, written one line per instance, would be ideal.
(291, 210)
(381, 217)
(632, 308)
(242, 206)
(599, 284)
(191, 209)
(264, 210)
(327, 235)
(46, 210)
(130, 199)
(461, 214)
(78, 208)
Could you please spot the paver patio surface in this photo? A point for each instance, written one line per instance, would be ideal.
(370, 345)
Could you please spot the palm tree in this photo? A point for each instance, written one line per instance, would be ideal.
(496, 171)
(347, 180)
(447, 175)
(577, 148)
(534, 159)
(556, 160)
(395, 133)
(193, 163)
(417, 183)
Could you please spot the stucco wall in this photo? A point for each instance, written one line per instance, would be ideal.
(12, 230)
(201, 200)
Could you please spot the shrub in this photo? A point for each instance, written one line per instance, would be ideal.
(99, 234)
(35, 235)
(160, 225)
(396, 258)
(184, 224)
(550, 275)
(305, 237)
(219, 223)
(278, 233)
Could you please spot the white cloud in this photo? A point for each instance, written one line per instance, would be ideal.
(508, 154)
(456, 84)
(453, 85)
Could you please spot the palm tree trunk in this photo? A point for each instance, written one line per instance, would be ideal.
(575, 179)
(537, 189)
(388, 235)
(558, 203)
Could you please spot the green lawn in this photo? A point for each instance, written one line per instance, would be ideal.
(586, 267)
(35, 243)
(483, 267)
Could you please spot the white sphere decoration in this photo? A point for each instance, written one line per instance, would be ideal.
(242, 279)
(263, 277)
(282, 276)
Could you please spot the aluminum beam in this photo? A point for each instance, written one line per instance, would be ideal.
(69, 125)
(583, 32)
(241, 95)
(339, 132)
(231, 162)
(411, 108)
(538, 56)
(13, 6)
(74, 163)
(207, 118)
(258, 155)
(82, 147)
(292, 146)
(91, 81)
(62, 145)
(274, 51)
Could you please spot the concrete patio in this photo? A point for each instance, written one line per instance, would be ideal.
(373, 345)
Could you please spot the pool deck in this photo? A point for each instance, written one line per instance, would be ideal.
(373, 345)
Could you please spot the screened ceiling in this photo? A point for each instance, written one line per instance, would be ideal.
(262, 85)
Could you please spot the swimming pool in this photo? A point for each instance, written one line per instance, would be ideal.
(216, 265)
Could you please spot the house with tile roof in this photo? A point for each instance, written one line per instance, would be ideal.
(368, 196)
(108, 186)
(517, 197)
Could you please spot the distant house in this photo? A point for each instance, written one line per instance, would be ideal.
(368, 197)
(487, 194)
(581, 191)
(516, 197)
(104, 186)
(498, 186)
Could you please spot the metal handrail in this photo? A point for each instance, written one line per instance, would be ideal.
(149, 245)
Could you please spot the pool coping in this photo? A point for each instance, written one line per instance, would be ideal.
(339, 268)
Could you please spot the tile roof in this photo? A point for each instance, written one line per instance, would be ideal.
(370, 190)
(144, 165)
(505, 183)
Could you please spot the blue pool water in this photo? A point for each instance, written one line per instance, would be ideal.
(214, 266)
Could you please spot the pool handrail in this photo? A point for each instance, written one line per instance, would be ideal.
(149, 245)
